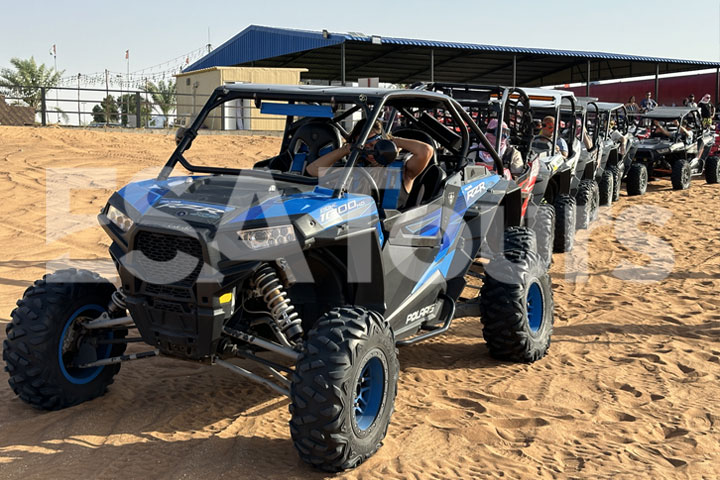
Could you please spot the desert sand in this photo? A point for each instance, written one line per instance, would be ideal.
(629, 388)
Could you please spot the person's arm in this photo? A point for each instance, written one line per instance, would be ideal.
(421, 153)
(327, 160)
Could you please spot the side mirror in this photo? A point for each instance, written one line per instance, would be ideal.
(385, 152)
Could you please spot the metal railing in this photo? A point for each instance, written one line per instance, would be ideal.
(131, 109)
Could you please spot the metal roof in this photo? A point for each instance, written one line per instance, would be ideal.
(668, 112)
(404, 60)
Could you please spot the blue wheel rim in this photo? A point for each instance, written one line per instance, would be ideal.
(535, 307)
(81, 376)
(369, 393)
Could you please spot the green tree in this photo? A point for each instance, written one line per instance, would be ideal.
(127, 105)
(163, 95)
(106, 111)
(26, 78)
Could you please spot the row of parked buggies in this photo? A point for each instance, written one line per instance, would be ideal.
(314, 282)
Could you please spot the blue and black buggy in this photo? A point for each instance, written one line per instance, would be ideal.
(314, 280)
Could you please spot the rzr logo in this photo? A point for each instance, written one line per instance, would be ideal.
(475, 191)
(420, 314)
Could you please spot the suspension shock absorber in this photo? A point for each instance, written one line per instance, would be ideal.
(117, 305)
(278, 302)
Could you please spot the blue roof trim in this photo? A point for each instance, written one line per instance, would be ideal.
(258, 43)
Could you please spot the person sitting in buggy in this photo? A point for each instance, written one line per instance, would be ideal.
(420, 154)
(671, 131)
(511, 156)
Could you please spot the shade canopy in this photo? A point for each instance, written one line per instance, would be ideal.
(345, 57)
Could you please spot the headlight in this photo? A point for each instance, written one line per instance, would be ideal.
(122, 221)
(258, 238)
(663, 151)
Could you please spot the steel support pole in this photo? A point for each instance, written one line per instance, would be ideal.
(432, 65)
(342, 63)
(514, 79)
(587, 83)
(657, 83)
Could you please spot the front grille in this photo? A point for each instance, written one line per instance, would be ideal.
(168, 259)
(178, 293)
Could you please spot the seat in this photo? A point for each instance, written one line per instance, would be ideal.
(311, 141)
(426, 186)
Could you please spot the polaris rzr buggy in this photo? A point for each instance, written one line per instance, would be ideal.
(613, 145)
(678, 145)
(314, 283)
(557, 184)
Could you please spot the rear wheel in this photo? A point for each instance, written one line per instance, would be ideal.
(681, 175)
(712, 170)
(637, 179)
(541, 220)
(516, 307)
(607, 187)
(343, 389)
(47, 345)
(564, 223)
(587, 203)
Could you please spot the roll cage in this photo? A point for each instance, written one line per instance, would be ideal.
(301, 101)
(485, 102)
(560, 105)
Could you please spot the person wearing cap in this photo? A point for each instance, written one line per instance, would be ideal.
(510, 156)
(691, 101)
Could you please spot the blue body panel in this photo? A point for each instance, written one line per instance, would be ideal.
(469, 194)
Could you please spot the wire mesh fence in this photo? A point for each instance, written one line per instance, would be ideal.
(112, 107)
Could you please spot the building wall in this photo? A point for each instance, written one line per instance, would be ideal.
(194, 88)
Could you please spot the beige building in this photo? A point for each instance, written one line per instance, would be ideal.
(194, 88)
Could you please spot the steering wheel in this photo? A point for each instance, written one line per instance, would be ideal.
(368, 180)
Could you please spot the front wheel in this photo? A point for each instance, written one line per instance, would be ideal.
(712, 170)
(617, 180)
(516, 307)
(343, 389)
(47, 345)
(681, 174)
(637, 179)
(541, 219)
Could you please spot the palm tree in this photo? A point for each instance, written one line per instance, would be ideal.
(163, 94)
(26, 79)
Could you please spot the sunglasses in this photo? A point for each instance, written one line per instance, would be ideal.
(505, 133)
(549, 125)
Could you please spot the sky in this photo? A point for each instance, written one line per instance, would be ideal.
(91, 36)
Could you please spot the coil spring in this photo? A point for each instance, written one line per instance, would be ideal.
(274, 295)
(117, 302)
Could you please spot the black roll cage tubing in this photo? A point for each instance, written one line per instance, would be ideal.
(598, 123)
(220, 96)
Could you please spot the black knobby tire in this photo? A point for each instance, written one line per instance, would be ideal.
(587, 203)
(637, 179)
(45, 341)
(344, 344)
(607, 187)
(617, 180)
(516, 307)
(520, 238)
(712, 170)
(681, 174)
(564, 223)
(541, 219)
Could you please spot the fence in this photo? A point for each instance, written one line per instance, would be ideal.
(129, 109)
